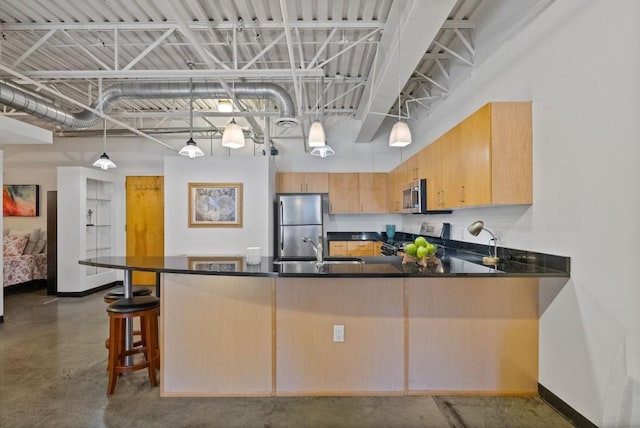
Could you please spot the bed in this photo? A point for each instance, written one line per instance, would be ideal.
(24, 257)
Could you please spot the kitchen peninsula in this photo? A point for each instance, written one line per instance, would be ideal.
(229, 329)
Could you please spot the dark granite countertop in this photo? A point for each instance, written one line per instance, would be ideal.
(449, 263)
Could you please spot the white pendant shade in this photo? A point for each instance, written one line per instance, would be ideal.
(233, 137)
(191, 150)
(323, 151)
(316, 135)
(400, 135)
(104, 162)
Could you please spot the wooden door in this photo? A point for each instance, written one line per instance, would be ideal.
(373, 192)
(475, 152)
(316, 182)
(145, 221)
(343, 193)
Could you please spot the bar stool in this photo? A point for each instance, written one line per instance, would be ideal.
(117, 293)
(146, 308)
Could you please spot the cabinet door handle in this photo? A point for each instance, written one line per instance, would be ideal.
(461, 193)
(442, 197)
(306, 187)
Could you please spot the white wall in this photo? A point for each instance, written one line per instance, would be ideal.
(579, 63)
(253, 172)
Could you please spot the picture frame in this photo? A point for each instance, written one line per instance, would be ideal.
(21, 200)
(215, 204)
(216, 264)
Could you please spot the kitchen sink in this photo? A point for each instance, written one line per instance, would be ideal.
(311, 260)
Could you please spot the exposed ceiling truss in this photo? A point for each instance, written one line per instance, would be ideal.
(340, 51)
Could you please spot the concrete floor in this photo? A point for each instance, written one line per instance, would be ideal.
(53, 374)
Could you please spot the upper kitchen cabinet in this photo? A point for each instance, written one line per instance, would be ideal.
(298, 182)
(394, 190)
(357, 193)
(343, 191)
(413, 168)
(372, 192)
(486, 159)
(432, 161)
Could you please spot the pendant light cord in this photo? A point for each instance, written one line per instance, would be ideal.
(191, 109)
(399, 89)
(104, 135)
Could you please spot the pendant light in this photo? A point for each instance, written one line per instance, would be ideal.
(191, 149)
(400, 133)
(323, 151)
(233, 136)
(317, 136)
(103, 161)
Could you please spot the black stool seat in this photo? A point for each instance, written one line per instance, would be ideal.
(118, 292)
(133, 304)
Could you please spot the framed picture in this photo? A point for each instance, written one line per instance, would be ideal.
(21, 200)
(215, 204)
(216, 264)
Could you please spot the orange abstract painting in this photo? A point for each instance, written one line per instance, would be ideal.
(22, 200)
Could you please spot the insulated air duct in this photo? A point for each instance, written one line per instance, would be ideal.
(27, 102)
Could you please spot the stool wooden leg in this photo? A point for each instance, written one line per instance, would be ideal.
(114, 353)
(150, 345)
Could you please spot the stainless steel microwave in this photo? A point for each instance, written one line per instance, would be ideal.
(414, 197)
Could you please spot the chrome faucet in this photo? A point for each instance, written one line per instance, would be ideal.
(317, 248)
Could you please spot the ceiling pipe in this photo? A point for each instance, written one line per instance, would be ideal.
(13, 97)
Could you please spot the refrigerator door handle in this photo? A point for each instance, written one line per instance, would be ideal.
(281, 226)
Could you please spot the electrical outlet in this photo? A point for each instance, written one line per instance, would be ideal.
(338, 333)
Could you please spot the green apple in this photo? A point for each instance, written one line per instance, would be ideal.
(421, 241)
(431, 249)
(422, 252)
(411, 249)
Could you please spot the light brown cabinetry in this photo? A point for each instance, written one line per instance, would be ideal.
(298, 182)
(433, 173)
(354, 248)
(395, 182)
(343, 193)
(372, 192)
(357, 193)
(485, 160)
(413, 169)
(338, 248)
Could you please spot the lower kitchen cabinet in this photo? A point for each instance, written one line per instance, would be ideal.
(354, 248)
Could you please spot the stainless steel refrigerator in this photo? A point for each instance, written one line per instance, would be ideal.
(297, 217)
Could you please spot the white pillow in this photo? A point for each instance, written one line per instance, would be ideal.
(40, 247)
(33, 235)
